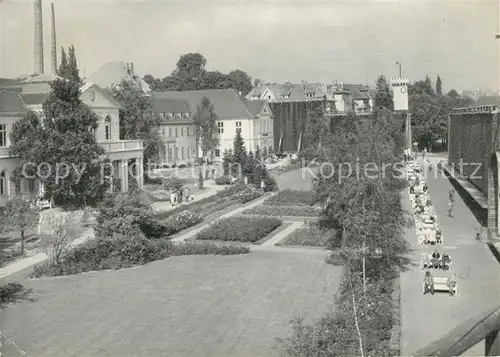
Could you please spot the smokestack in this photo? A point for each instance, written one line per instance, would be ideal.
(38, 49)
(54, 45)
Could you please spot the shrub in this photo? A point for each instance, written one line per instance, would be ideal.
(181, 221)
(240, 229)
(207, 248)
(248, 194)
(223, 180)
(283, 211)
(311, 236)
(153, 180)
(6, 256)
(126, 214)
(292, 198)
(269, 182)
(9, 291)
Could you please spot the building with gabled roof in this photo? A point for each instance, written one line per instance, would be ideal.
(178, 108)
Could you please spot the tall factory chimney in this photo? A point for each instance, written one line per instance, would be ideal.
(54, 44)
(38, 49)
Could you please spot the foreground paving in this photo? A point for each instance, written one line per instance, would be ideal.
(232, 306)
(426, 318)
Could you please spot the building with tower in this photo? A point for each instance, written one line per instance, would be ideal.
(400, 96)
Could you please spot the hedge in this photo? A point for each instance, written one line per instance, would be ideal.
(120, 252)
(292, 198)
(308, 236)
(239, 229)
(284, 211)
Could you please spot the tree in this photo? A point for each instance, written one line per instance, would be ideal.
(137, 120)
(316, 129)
(240, 81)
(383, 95)
(439, 87)
(215, 80)
(60, 140)
(64, 230)
(20, 215)
(207, 132)
(69, 67)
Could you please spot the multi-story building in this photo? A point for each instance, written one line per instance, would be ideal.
(290, 104)
(253, 119)
(19, 97)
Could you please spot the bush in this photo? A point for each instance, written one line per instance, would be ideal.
(311, 236)
(248, 194)
(10, 291)
(153, 180)
(223, 180)
(284, 211)
(181, 221)
(207, 248)
(121, 252)
(7, 256)
(239, 229)
(126, 214)
(292, 198)
(269, 182)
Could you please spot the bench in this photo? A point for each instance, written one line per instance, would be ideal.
(442, 284)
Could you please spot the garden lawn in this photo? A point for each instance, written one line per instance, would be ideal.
(232, 306)
(239, 229)
(307, 236)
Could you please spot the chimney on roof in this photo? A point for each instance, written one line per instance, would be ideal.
(304, 86)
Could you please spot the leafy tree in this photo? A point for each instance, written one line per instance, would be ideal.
(383, 95)
(240, 81)
(61, 137)
(137, 120)
(20, 215)
(69, 67)
(439, 87)
(153, 82)
(207, 132)
(215, 80)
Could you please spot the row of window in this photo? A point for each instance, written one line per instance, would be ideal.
(174, 115)
(220, 126)
(180, 153)
(174, 132)
(17, 187)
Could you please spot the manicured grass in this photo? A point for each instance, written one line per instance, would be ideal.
(307, 236)
(239, 229)
(182, 306)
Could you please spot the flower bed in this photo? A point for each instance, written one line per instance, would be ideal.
(121, 252)
(181, 221)
(283, 211)
(247, 195)
(239, 229)
(310, 236)
(292, 198)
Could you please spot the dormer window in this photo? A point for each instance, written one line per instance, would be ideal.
(107, 127)
(309, 95)
(285, 96)
(170, 116)
(186, 115)
(178, 116)
(256, 96)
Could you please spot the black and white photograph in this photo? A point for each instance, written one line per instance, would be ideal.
(237, 178)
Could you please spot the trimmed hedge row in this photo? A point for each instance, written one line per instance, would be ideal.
(308, 236)
(239, 229)
(121, 252)
(292, 198)
(284, 211)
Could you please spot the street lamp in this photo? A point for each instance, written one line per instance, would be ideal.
(399, 66)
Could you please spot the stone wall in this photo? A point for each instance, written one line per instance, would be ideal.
(472, 141)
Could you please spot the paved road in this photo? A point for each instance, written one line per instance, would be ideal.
(426, 318)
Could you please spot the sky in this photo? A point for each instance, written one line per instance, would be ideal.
(349, 41)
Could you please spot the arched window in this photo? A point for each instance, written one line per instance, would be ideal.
(107, 127)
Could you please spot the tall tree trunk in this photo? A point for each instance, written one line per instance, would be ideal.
(22, 241)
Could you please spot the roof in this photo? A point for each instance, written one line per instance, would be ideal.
(292, 90)
(113, 73)
(11, 103)
(488, 100)
(255, 106)
(40, 78)
(171, 106)
(227, 102)
(10, 82)
(34, 99)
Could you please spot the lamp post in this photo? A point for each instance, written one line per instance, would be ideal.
(399, 67)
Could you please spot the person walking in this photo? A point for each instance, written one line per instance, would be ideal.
(451, 195)
(450, 209)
